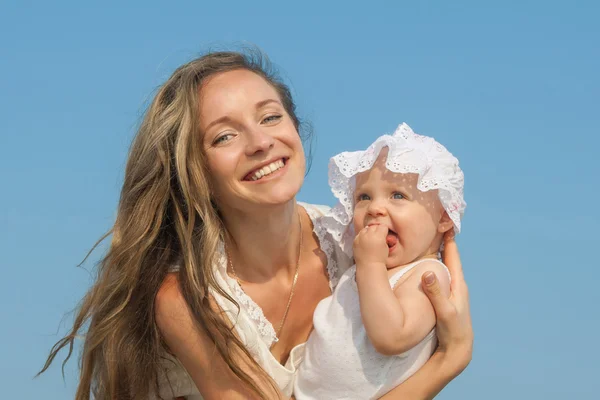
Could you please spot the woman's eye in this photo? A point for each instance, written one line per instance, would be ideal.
(398, 196)
(271, 119)
(223, 138)
(362, 197)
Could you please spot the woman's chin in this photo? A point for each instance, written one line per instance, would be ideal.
(272, 192)
(278, 194)
(280, 197)
(275, 196)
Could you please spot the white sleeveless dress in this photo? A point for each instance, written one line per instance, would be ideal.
(255, 331)
(341, 362)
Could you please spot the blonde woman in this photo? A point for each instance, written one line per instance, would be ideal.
(214, 269)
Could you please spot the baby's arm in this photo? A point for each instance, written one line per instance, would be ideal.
(395, 320)
(398, 320)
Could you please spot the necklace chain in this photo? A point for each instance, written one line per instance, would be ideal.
(289, 303)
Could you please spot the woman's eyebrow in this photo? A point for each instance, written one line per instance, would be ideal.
(263, 103)
(258, 105)
(217, 121)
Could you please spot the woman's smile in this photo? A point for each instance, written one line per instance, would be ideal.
(269, 169)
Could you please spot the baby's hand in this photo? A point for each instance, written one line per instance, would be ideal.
(370, 247)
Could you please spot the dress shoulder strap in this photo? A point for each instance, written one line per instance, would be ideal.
(396, 277)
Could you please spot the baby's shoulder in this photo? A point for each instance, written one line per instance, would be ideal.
(413, 276)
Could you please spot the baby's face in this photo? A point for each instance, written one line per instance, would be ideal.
(416, 220)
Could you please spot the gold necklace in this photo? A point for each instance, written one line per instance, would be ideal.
(287, 308)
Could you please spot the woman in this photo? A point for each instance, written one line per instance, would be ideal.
(214, 270)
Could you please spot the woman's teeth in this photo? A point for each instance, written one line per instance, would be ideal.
(268, 169)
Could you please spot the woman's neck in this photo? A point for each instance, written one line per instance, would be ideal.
(264, 242)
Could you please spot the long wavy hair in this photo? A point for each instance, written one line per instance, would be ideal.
(166, 216)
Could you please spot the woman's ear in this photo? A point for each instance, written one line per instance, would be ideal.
(445, 223)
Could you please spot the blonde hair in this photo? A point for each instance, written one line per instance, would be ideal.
(166, 215)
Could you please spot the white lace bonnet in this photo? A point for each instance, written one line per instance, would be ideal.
(408, 153)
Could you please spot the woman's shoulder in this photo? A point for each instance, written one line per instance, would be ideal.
(318, 210)
(169, 303)
(337, 261)
(169, 293)
(317, 214)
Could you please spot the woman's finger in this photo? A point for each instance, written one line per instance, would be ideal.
(451, 259)
(431, 287)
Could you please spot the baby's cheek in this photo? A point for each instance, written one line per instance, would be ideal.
(358, 219)
(414, 229)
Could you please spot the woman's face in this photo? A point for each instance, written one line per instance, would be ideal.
(253, 149)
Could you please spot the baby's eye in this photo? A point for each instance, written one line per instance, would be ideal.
(397, 196)
(362, 197)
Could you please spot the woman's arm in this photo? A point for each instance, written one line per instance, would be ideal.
(454, 330)
(211, 374)
(429, 380)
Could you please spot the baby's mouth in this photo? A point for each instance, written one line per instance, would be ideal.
(391, 239)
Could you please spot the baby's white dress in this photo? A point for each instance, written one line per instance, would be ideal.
(255, 331)
(339, 360)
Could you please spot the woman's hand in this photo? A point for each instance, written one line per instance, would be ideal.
(453, 326)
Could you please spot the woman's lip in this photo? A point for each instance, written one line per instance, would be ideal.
(248, 176)
(271, 176)
(253, 171)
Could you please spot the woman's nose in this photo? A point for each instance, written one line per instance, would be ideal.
(258, 141)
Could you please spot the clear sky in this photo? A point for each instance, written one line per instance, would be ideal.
(509, 87)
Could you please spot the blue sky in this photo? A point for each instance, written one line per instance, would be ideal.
(509, 87)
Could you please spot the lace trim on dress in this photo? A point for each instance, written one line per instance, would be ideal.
(325, 244)
(264, 327)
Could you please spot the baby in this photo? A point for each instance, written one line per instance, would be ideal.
(396, 201)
